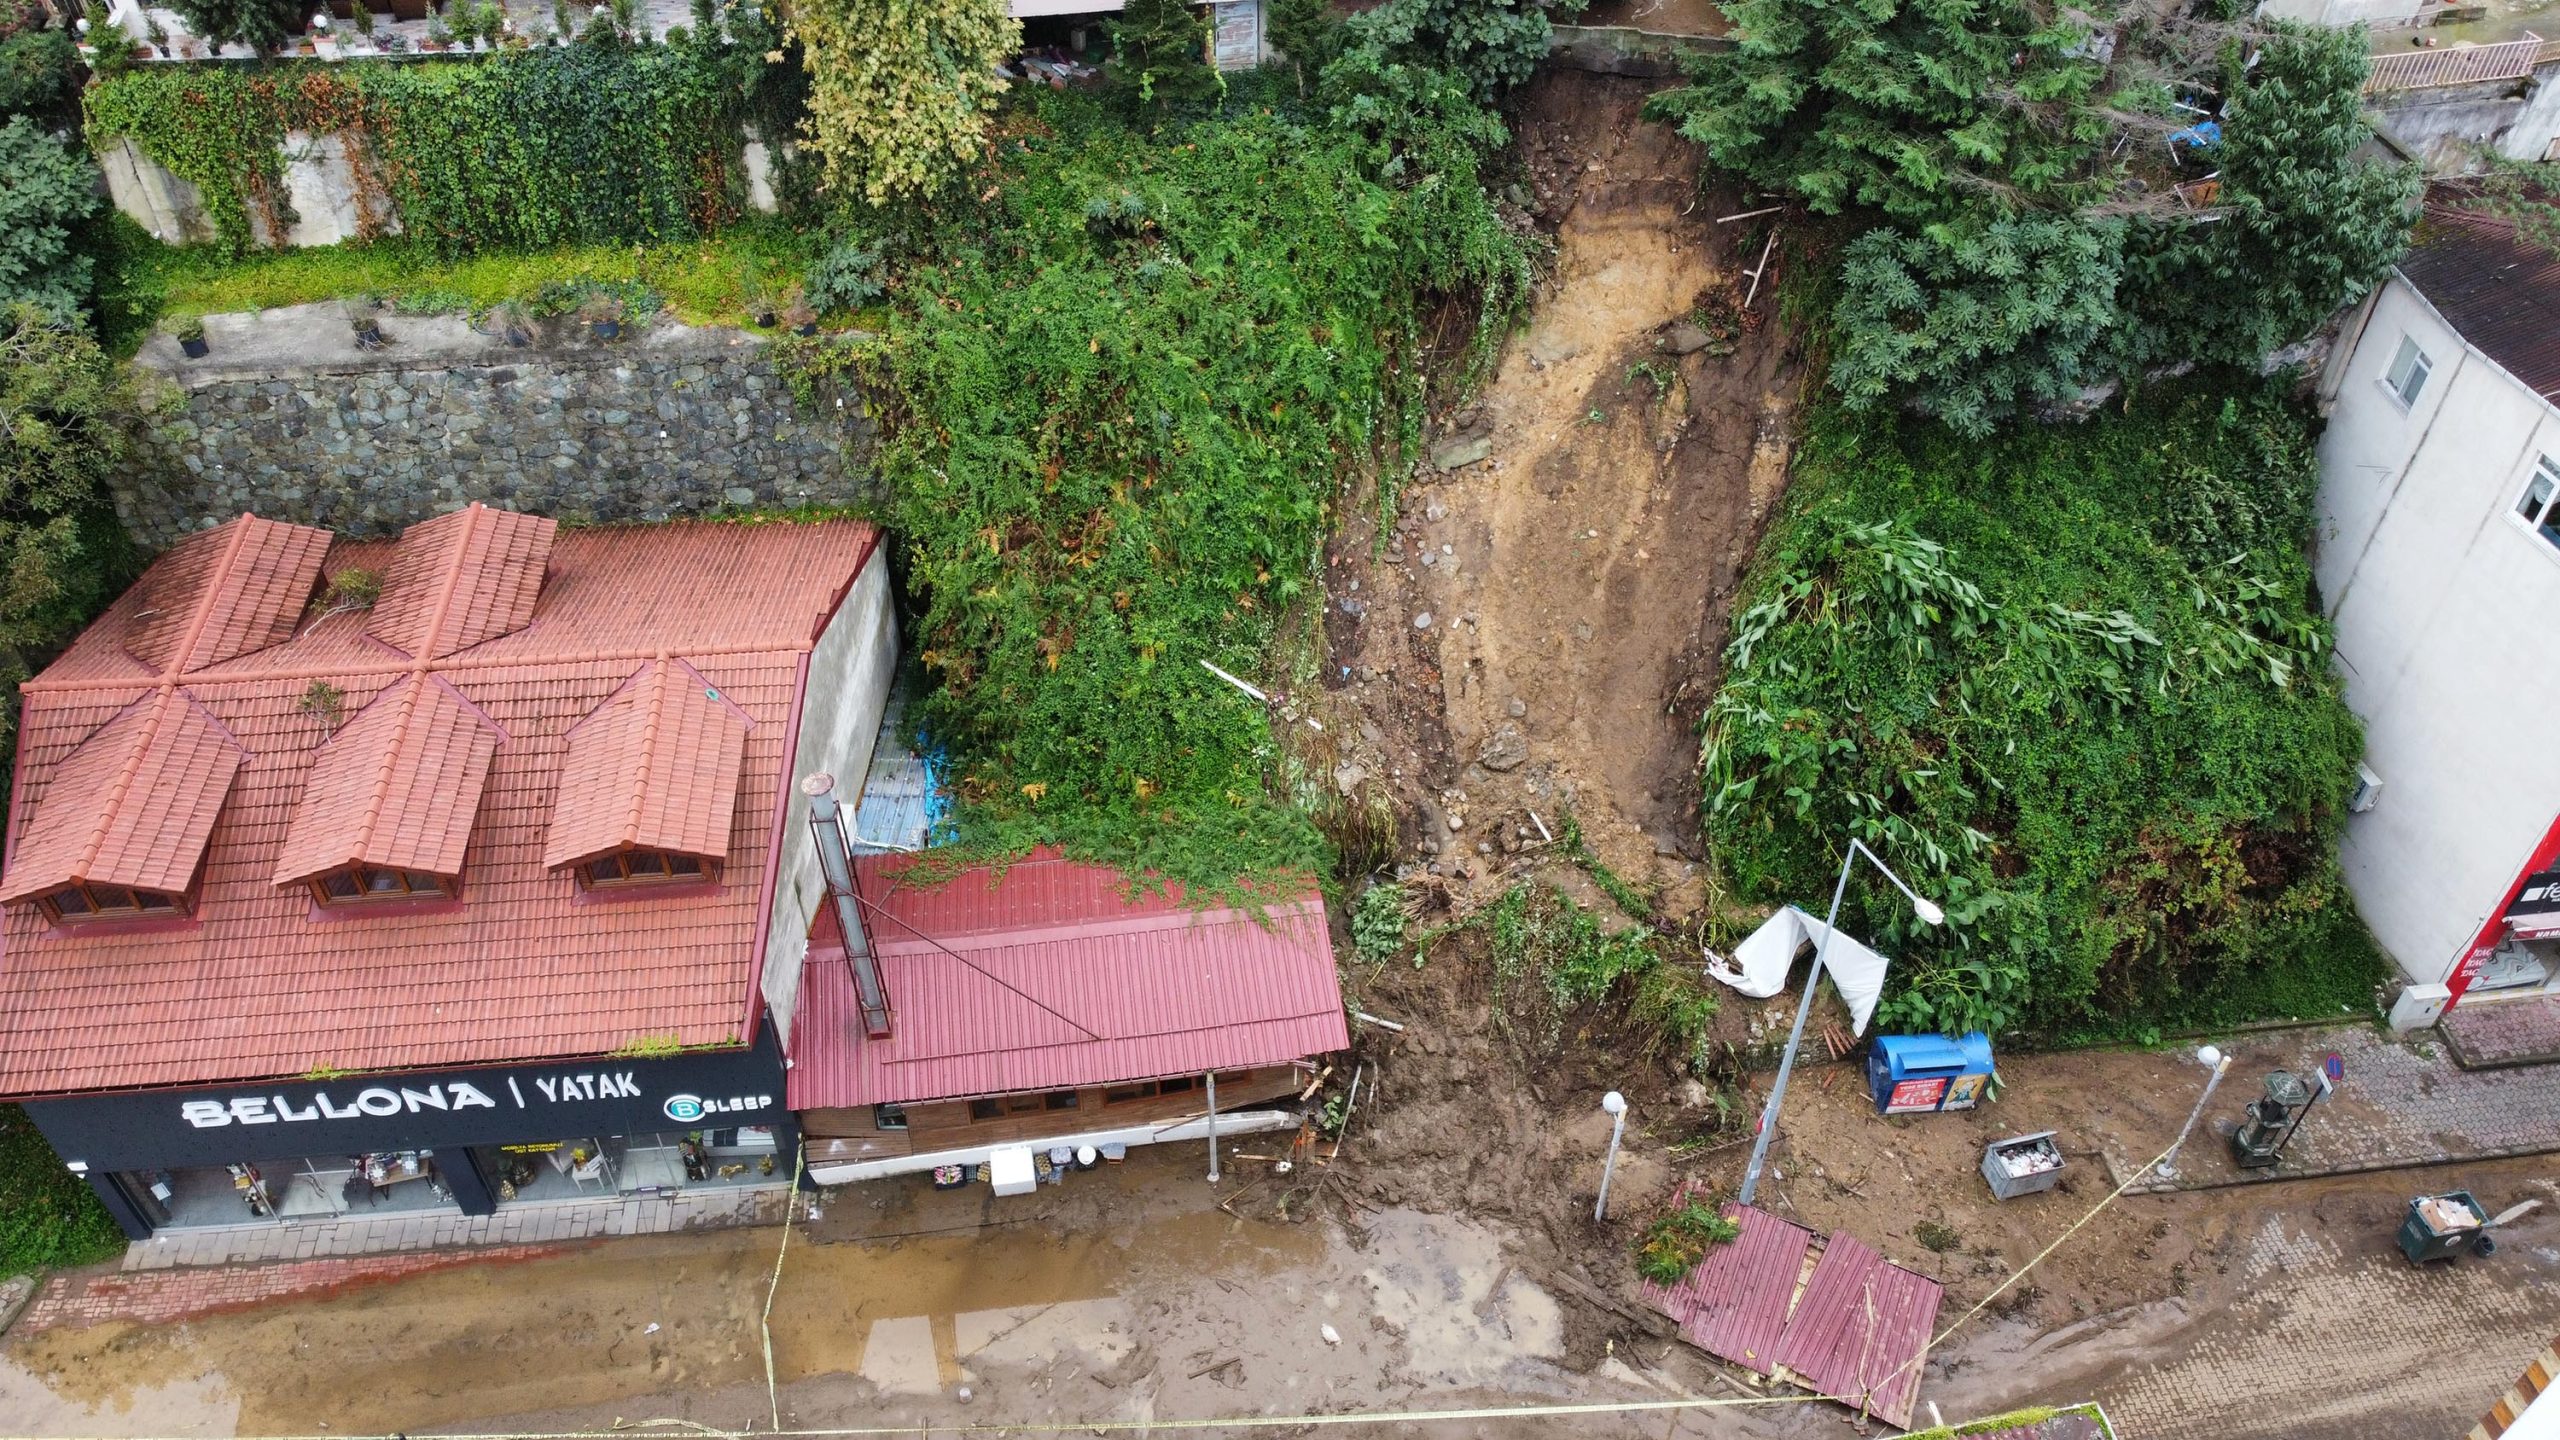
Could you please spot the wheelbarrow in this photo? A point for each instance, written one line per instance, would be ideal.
(2439, 1227)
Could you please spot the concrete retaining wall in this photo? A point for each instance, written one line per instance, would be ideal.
(289, 418)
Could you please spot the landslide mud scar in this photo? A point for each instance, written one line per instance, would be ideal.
(1541, 627)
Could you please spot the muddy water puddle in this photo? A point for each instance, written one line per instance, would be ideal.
(1191, 1313)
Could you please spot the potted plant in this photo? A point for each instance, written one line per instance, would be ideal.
(159, 34)
(510, 323)
(797, 314)
(363, 19)
(763, 307)
(191, 339)
(437, 35)
(368, 330)
(603, 314)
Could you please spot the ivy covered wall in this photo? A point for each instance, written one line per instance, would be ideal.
(517, 148)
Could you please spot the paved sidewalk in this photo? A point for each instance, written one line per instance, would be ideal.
(2486, 1034)
(158, 1297)
(530, 1223)
(2404, 1103)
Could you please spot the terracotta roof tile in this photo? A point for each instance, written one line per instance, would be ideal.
(655, 767)
(137, 801)
(223, 593)
(258, 985)
(460, 579)
(397, 786)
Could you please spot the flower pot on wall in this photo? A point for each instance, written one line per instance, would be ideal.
(193, 346)
(605, 329)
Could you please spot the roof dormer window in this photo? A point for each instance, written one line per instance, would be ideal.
(364, 884)
(77, 903)
(643, 867)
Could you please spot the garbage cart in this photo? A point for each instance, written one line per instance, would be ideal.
(2022, 1165)
(2439, 1227)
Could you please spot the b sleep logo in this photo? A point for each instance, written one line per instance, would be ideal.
(686, 1108)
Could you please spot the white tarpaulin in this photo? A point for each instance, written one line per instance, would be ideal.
(1760, 964)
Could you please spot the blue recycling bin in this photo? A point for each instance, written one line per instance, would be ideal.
(1917, 1074)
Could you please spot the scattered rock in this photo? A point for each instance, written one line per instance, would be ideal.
(1517, 708)
(1461, 452)
(1422, 621)
(1435, 511)
(1505, 749)
(1430, 557)
(1684, 338)
(1348, 775)
(1693, 1095)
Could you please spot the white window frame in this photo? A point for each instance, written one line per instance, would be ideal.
(2409, 360)
(2537, 508)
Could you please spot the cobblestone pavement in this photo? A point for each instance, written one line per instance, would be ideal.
(532, 1223)
(2333, 1336)
(157, 1297)
(2490, 1033)
(2403, 1103)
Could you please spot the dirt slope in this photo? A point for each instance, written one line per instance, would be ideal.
(1540, 629)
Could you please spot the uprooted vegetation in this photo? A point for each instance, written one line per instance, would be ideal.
(2073, 684)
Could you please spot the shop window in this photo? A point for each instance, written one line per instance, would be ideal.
(1058, 1100)
(364, 884)
(986, 1109)
(78, 901)
(1177, 1085)
(642, 867)
(2408, 373)
(888, 1117)
(2540, 506)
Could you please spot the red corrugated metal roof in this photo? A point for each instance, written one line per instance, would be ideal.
(1043, 976)
(2500, 291)
(1734, 1304)
(258, 987)
(1860, 1330)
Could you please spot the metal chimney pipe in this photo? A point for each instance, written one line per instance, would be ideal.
(835, 861)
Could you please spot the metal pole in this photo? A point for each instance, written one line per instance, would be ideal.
(1787, 1062)
(2319, 1089)
(2168, 1166)
(1616, 1105)
(1212, 1077)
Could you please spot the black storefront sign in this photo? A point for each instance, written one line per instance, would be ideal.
(429, 1110)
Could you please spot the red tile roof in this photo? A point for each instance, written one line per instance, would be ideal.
(459, 579)
(1045, 977)
(655, 767)
(258, 985)
(396, 787)
(140, 797)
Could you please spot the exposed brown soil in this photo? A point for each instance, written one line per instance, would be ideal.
(1539, 630)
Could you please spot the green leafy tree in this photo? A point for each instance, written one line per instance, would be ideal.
(1306, 32)
(1910, 109)
(2300, 227)
(1945, 122)
(1492, 44)
(1976, 324)
(64, 412)
(1160, 54)
(47, 190)
(899, 90)
(265, 26)
(36, 70)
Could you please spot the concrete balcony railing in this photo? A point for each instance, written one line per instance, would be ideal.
(2460, 65)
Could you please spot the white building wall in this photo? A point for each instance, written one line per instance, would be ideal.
(849, 674)
(2444, 602)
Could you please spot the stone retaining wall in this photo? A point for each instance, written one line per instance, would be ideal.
(287, 417)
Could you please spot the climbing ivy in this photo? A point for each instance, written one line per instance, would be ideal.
(589, 142)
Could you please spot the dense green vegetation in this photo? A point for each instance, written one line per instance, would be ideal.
(900, 90)
(2040, 205)
(1119, 394)
(2071, 682)
(47, 1217)
(591, 142)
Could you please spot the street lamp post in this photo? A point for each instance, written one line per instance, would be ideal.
(1929, 914)
(2215, 1061)
(1616, 1105)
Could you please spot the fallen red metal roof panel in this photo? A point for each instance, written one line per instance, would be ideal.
(1734, 1304)
(1044, 976)
(1860, 1330)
